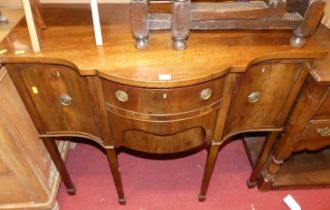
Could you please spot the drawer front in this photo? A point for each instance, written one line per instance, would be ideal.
(260, 94)
(316, 135)
(12, 190)
(324, 110)
(316, 129)
(162, 101)
(58, 95)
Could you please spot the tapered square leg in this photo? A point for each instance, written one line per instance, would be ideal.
(114, 166)
(60, 165)
(209, 166)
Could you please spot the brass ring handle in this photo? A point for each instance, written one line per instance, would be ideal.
(324, 131)
(121, 96)
(65, 100)
(205, 94)
(254, 97)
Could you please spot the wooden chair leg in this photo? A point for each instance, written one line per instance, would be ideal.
(262, 159)
(114, 166)
(209, 166)
(60, 165)
(308, 26)
(180, 23)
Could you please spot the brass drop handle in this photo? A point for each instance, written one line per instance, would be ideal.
(254, 97)
(205, 94)
(121, 96)
(324, 131)
(65, 100)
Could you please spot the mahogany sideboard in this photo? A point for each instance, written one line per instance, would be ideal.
(156, 101)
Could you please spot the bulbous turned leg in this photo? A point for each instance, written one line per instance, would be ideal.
(180, 23)
(297, 42)
(265, 182)
(139, 22)
(141, 43)
(179, 44)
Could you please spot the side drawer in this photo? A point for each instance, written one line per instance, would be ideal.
(316, 135)
(162, 101)
(323, 111)
(317, 129)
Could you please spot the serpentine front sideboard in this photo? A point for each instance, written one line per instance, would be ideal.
(156, 101)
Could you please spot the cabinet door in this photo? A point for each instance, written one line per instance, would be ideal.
(260, 95)
(57, 97)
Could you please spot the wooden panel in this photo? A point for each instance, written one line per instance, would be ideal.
(162, 101)
(3, 168)
(12, 106)
(11, 190)
(22, 155)
(315, 136)
(147, 142)
(44, 85)
(324, 110)
(273, 81)
(121, 124)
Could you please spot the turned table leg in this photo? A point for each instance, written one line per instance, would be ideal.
(52, 149)
(265, 182)
(262, 158)
(114, 166)
(308, 26)
(209, 166)
(180, 23)
(139, 23)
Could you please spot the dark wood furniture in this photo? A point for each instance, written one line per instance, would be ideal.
(301, 157)
(301, 16)
(157, 101)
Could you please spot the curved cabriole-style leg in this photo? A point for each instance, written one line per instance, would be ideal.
(308, 26)
(60, 165)
(180, 23)
(139, 23)
(114, 166)
(209, 166)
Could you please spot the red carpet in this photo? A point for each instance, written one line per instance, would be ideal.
(174, 184)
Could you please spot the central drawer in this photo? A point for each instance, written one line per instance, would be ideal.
(162, 121)
(162, 101)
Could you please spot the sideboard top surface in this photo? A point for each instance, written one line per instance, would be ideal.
(69, 40)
